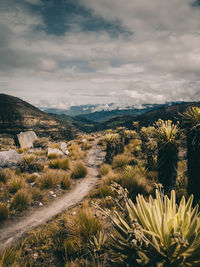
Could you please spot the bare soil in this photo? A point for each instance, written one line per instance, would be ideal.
(12, 231)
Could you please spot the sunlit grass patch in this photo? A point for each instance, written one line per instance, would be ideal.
(21, 200)
(63, 164)
(79, 170)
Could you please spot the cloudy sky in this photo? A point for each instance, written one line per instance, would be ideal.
(69, 52)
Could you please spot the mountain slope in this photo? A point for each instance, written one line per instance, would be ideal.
(166, 113)
(17, 115)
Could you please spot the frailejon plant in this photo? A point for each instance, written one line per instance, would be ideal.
(155, 232)
(111, 140)
(191, 124)
(167, 136)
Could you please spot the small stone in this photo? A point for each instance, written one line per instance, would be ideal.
(84, 140)
(40, 204)
(35, 255)
(54, 195)
(67, 152)
(51, 192)
(73, 213)
(32, 184)
(63, 146)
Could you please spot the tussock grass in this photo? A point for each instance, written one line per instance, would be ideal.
(105, 169)
(63, 164)
(37, 194)
(53, 156)
(49, 179)
(65, 182)
(4, 212)
(76, 152)
(15, 183)
(21, 200)
(6, 174)
(120, 161)
(79, 170)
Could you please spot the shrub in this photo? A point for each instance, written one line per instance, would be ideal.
(104, 191)
(49, 179)
(37, 194)
(105, 169)
(21, 200)
(65, 182)
(29, 164)
(31, 178)
(76, 152)
(156, 232)
(4, 212)
(5, 174)
(53, 156)
(63, 164)
(41, 143)
(15, 183)
(79, 170)
(120, 161)
(84, 226)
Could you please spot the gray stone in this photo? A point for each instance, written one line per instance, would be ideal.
(9, 158)
(67, 152)
(26, 139)
(63, 146)
(55, 151)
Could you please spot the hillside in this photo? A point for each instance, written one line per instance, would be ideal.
(165, 112)
(17, 115)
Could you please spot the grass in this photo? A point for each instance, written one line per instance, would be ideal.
(105, 169)
(49, 179)
(65, 182)
(103, 191)
(79, 170)
(21, 200)
(63, 164)
(76, 152)
(120, 161)
(37, 194)
(4, 212)
(15, 183)
(5, 174)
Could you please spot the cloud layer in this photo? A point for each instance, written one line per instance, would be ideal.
(100, 51)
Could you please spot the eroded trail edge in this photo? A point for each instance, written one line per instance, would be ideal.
(13, 231)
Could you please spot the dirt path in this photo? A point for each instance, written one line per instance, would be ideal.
(13, 231)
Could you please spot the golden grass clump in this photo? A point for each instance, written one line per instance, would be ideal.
(49, 179)
(15, 183)
(79, 170)
(63, 164)
(5, 175)
(120, 161)
(76, 152)
(37, 194)
(105, 169)
(4, 212)
(21, 200)
(65, 182)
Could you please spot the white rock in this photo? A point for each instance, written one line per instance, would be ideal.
(73, 213)
(40, 204)
(63, 146)
(54, 195)
(26, 139)
(51, 192)
(84, 140)
(67, 152)
(9, 158)
(56, 151)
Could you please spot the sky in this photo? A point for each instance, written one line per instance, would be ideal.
(58, 53)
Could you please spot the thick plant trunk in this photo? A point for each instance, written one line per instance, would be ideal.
(110, 153)
(167, 166)
(193, 156)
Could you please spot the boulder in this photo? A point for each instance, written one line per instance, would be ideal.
(55, 151)
(63, 146)
(26, 139)
(9, 158)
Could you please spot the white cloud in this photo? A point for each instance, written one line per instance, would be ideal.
(159, 62)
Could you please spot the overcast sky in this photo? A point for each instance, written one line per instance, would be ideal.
(69, 52)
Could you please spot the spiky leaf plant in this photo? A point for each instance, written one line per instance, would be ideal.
(191, 124)
(128, 135)
(167, 136)
(155, 232)
(111, 139)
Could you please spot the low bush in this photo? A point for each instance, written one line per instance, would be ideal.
(4, 212)
(15, 183)
(65, 182)
(53, 156)
(63, 164)
(37, 194)
(21, 200)
(104, 191)
(41, 143)
(49, 179)
(120, 161)
(79, 170)
(105, 169)
(5, 175)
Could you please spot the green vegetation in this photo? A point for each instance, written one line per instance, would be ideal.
(79, 170)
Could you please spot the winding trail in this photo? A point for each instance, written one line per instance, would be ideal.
(14, 230)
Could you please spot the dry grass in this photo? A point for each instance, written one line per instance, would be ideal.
(64, 164)
(15, 183)
(21, 200)
(65, 182)
(79, 170)
(120, 161)
(49, 179)
(4, 212)
(105, 169)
